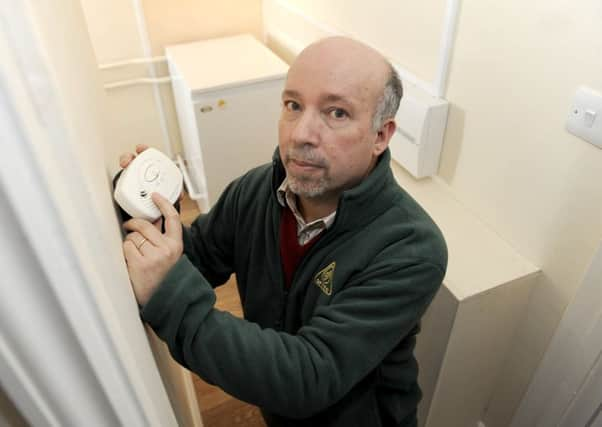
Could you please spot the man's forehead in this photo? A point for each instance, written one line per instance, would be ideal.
(352, 73)
(328, 84)
(352, 97)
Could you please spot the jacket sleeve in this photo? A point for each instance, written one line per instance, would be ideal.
(293, 375)
(208, 242)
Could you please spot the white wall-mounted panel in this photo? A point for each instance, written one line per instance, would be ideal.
(416, 143)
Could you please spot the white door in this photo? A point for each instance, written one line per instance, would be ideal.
(72, 348)
(585, 409)
(567, 388)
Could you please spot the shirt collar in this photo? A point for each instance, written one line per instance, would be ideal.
(287, 198)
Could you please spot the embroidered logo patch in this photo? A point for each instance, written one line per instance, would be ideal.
(324, 278)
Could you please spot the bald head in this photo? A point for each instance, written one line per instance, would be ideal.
(345, 59)
(346, 50)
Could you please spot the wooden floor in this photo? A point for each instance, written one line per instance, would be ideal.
(219, 409)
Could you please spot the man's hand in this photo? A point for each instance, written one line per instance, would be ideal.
(149, 253)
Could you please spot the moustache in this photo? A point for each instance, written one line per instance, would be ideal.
(305, 154)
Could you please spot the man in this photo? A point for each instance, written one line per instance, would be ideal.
(335, 264)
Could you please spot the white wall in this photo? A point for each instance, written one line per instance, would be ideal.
(413, 28)
(190, 20)
(506, 156)
(116, 29)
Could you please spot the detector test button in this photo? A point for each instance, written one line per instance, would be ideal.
(151, 173)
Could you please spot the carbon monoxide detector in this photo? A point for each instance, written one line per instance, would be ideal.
(150, 172)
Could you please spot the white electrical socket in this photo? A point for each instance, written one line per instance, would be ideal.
(150, 172)
(585, 117)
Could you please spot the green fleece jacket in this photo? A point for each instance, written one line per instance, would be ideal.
(337, 348)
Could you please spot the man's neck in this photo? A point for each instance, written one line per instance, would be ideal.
(315, 208)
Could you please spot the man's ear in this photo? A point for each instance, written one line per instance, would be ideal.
(383, 136)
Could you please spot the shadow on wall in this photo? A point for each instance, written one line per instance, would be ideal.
(452, 143)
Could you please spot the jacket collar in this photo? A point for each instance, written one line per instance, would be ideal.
(360, 204)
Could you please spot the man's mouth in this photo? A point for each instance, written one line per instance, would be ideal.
(303, 167)
(304, 164)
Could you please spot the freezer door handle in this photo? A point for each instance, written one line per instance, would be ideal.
(192, 192)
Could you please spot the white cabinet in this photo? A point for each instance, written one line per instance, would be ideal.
(468, 331)
(227, 94)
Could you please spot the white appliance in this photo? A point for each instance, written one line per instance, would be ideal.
(227, 93)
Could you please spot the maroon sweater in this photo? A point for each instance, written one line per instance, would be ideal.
(291, 252)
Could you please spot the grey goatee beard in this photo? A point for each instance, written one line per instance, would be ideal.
(303, 185)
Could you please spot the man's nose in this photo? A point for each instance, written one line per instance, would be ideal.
(307, 128)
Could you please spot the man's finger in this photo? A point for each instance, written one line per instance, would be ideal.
(173, 225)
(125, 159)
(146, 229)
(140, 148)
(134, 237)
(138, 240)
(130, 252)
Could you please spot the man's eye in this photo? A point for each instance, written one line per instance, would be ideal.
(338, 113)
(292, 106)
